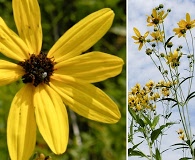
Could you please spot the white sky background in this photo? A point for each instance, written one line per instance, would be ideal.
(140, 67)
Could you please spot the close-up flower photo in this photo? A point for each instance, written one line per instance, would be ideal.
(63, 80)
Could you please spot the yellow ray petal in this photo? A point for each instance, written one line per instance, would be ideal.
(137, 32)
(51, 118)
(11, 45)
(91, 67)
(28, 22)
(9, 72)
(86, 99)
(21, 125)
(82, 35)
(187, 17)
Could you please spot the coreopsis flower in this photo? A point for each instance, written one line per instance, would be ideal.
(156, 17)
(184, 25)
(157, 36)
(139, 38)
(180, 32)
(181, 134)
(180, 131)
(150, 84)
(165, 91)
(61, 76)
(173, 59)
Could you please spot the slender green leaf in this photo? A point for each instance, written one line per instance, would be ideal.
(185, 80)
(168, 99)
(140, 121)
(136, 153)
(168, 115)
(185, 158)
(155, 134)
(132, 112)
(147, 121)
(168, 41)
(135, 146)
(158, 155)
(180, 148)
(190, 96)
(155, 121)
(179, 144)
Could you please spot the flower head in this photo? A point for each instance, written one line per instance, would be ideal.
(139, 38)
(156, 17)
(157, 36)
(173, 59)
(184, 25)
(62, 76)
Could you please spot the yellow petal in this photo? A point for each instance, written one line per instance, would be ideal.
(21, 125)
(86, 99)
(82, 35)
(140, 46)
(11, 45)
(146, 34)
(137, 32)
(91, 67)
(187, 17)
(135, 38)
(9, 72)
(28, 22)
(154, 13)
(51, 117)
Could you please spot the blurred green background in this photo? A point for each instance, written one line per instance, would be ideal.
(89, 140)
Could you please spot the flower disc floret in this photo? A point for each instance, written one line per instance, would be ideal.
(38, 69)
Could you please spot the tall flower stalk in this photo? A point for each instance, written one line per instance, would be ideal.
(168, 60)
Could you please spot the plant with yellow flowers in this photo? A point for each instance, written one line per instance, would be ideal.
(55, 80)
(176, 87)
(145, 122)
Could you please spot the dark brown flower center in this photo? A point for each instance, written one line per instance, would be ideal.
(38, 69)
(156, 21)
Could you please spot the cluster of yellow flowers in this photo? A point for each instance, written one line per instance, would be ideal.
(144, 98)
(181, 134)
(156, 18)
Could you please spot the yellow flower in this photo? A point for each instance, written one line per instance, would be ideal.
(173, 59)
(62, 76)
(180, 32)
(139, 38)
(157, 36)
(150, 84)
(182, 136)
(187, 24)
(156, 17)
(180, 131)
(184, 25)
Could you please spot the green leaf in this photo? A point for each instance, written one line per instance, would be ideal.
(185, 158)
(185, 80)
(190, 96)
(179, 144)
(140, 122)
(155, 134)
(136, 153)
(135, 146)
(168, 40)
(181, 148)
(158, 155)
(132, 112)
(155, 121)
(168, 99)
(147, 120)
